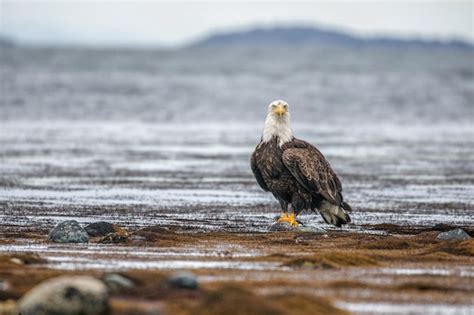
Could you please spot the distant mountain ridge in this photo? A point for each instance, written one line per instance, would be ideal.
(314, 36)
(6, 42)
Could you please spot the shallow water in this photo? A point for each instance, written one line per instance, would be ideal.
(135, 175)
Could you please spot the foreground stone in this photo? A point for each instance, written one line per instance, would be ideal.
(183, 280)
(67, 295)
(453, 235)
(68, 232)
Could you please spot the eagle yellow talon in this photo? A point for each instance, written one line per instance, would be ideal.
(291, 219)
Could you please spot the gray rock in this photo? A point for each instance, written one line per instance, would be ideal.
(66, 295)
(183, 280)
(100, 228)
(453, 235)
(68, 232)
(117, 283)
(282, 226)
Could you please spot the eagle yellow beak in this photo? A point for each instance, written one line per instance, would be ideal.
(280, 110)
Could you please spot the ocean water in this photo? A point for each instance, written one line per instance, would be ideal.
(164, 137)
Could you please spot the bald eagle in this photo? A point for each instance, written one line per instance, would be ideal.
(295, 172)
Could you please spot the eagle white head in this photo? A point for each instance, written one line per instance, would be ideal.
(277, 123)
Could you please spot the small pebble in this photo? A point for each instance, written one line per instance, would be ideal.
(117, 283)
(183, 280)
(16, 260)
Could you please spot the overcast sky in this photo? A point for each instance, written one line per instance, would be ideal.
(174, 23)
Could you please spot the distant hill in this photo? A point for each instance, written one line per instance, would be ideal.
(313, 36)
(6, 42)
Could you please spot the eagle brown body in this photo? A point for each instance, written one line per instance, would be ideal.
(298, 174)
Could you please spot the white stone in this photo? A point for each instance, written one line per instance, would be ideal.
(67, 295)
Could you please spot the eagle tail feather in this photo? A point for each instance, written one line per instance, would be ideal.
(334, 214)
(346, 206)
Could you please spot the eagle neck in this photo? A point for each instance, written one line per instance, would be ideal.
(277, 127)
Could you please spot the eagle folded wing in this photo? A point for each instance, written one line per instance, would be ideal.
(256, 172)
(313, 172)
